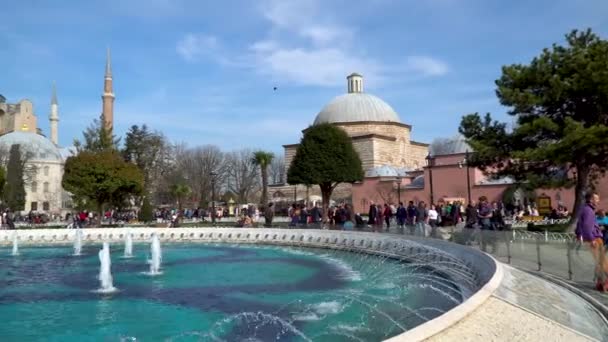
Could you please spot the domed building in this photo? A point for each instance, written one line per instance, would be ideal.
(377, 133)
(44, 158)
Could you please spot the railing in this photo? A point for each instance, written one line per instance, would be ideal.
(558, 254)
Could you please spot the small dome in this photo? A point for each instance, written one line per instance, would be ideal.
(39, 146)
(446, 146)
(417, 182)
(382, 171)
(354, 107)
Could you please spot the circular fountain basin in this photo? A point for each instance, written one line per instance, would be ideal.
(238, 284)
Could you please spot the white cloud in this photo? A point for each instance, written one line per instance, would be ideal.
(306, 45)
(426, 66)
(324, 67)
(194, 46)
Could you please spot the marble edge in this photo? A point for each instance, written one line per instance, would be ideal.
(456, 314)
(565, 327)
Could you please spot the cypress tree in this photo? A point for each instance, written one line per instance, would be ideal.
(145, 213)
(14, 194)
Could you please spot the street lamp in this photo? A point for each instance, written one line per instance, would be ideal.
(213, 174)
(430, 163)
(466, 162)
(398, 189)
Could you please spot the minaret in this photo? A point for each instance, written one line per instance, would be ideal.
(54, 116)
(355, 83)
(107, 113)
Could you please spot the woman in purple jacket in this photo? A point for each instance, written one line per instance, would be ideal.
(589, 231)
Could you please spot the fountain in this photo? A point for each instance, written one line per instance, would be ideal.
(105, 274)
(15, 245)
(223, 287)
(77, 242)
(128, 246)
(156, 256)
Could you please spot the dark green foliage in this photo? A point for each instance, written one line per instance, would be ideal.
(263, 160)
(560, 101)
(146, 149)
(14, 192)
(101, 178)
(2, 181)
(145, 212)
(325, 157)
(97, 138)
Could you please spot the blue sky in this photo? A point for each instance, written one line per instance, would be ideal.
(203, 72)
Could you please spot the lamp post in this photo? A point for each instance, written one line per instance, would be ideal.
(466, 160)
(213, 174)
(430, 163)
(295, 193)
(398, 189)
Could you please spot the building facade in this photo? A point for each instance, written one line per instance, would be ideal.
(452, 180)
(44, 158)
(377, 134)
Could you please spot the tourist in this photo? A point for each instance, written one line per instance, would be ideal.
(269, 215)
(602, 221)
(371, 221)
(294, 215)
(422, 219)
(401, 217)
(485, 224)
(349, 217)
(497, 220)
(412, 214)
(588, 230)
(433, 220)
(388, 214)
(315, 215)
(470, 223)
(379, 218)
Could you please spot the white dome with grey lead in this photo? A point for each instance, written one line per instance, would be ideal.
(356, 106)
(38, 146)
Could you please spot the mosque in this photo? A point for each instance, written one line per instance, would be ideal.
(378, 136)
(44, 157)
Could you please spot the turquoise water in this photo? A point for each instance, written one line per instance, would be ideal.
(216, 292)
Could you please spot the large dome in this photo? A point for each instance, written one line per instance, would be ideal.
(39, 146)
(356, 106)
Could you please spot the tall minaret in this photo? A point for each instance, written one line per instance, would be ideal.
(54, 116)
(107, 113)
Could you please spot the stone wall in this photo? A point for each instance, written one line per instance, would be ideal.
(417, 155)
(382, 128)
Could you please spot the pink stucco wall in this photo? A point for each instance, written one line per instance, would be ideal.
(449, 181)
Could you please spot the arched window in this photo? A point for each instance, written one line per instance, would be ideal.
(46, 170)
(34, 186)
(45, 187)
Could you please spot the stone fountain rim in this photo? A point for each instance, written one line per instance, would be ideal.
(418, 333)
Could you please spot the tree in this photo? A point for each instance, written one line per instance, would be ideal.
(242, 175)
(196, 165)
(149, 151)
(2, 181)
(179, 192)
(14, 194)
(101, 178)
(97, 138)
(277, 170)
(560, 101)
(326, 157)
(263, 160)
(145, 212)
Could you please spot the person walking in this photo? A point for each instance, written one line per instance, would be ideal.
(401, 217)
(269, 215)
(588, 231)
(433, 221)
